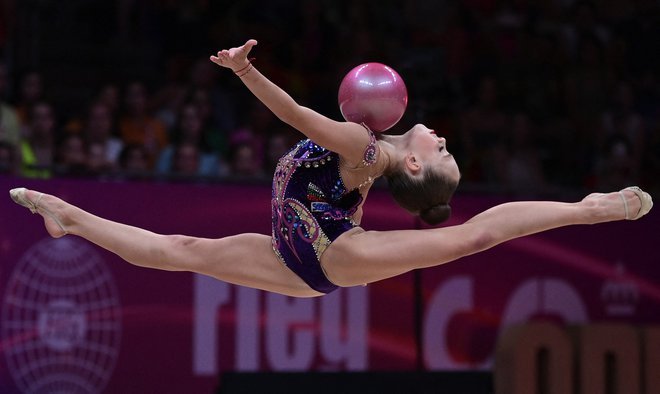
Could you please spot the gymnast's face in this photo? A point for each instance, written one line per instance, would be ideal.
(429, 150)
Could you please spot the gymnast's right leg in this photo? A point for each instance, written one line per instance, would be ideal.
(245, 259)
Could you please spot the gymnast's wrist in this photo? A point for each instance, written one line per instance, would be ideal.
(242, 71)
(243, 67)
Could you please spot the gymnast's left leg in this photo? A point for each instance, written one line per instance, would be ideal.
(245, 259)
(359, 256)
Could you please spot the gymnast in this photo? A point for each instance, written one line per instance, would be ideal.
(319, 187)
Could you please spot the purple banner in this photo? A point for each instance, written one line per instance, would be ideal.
(76, 317)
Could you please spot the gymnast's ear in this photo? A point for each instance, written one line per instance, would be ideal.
(412, 163)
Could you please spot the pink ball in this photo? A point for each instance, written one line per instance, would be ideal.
(375, 94)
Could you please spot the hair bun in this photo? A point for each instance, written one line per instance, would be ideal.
(436, 214)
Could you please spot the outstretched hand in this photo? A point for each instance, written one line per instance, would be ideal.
(234, 58)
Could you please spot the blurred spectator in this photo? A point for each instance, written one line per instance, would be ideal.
(134, 162)
(108, 95)
(258, 125)
(188, 135)
(97, 164)
(622, 118)
(244, 162)
(168, 99)
(103, 147)
(523, 171)
(71, 156)
(278, 144)
(30, 92)
(7, 158)
(138, 127)
(186, 160)
(213, 136)
(38, 147)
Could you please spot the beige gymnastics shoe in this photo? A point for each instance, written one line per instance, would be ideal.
(644, 197)
(19, 196)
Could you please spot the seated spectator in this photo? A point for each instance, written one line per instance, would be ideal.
(97, 164)
(277, 145)
(522, 159)
(107, 96)
(138, 127)
(244, 162)
(99, 136)
(171, 93)
(71, 157)
(186, 160)
(215, 137)
(38, 147)
(258, 124)
(623, 118)
(188, 132)
(134, 162)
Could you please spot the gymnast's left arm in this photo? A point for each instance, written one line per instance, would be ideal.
(346, 138)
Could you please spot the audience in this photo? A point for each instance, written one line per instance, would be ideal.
(534, 98)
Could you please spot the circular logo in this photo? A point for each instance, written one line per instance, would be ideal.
(61, 319)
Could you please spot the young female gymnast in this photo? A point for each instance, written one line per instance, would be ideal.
(318, 191)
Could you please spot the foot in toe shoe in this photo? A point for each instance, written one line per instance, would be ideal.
(20, 197)
(644, 198)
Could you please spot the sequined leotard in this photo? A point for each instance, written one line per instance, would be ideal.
(311, 208)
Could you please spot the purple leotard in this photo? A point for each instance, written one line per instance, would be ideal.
(311, 208)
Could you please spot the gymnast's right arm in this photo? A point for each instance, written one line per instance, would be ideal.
(346, 138)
